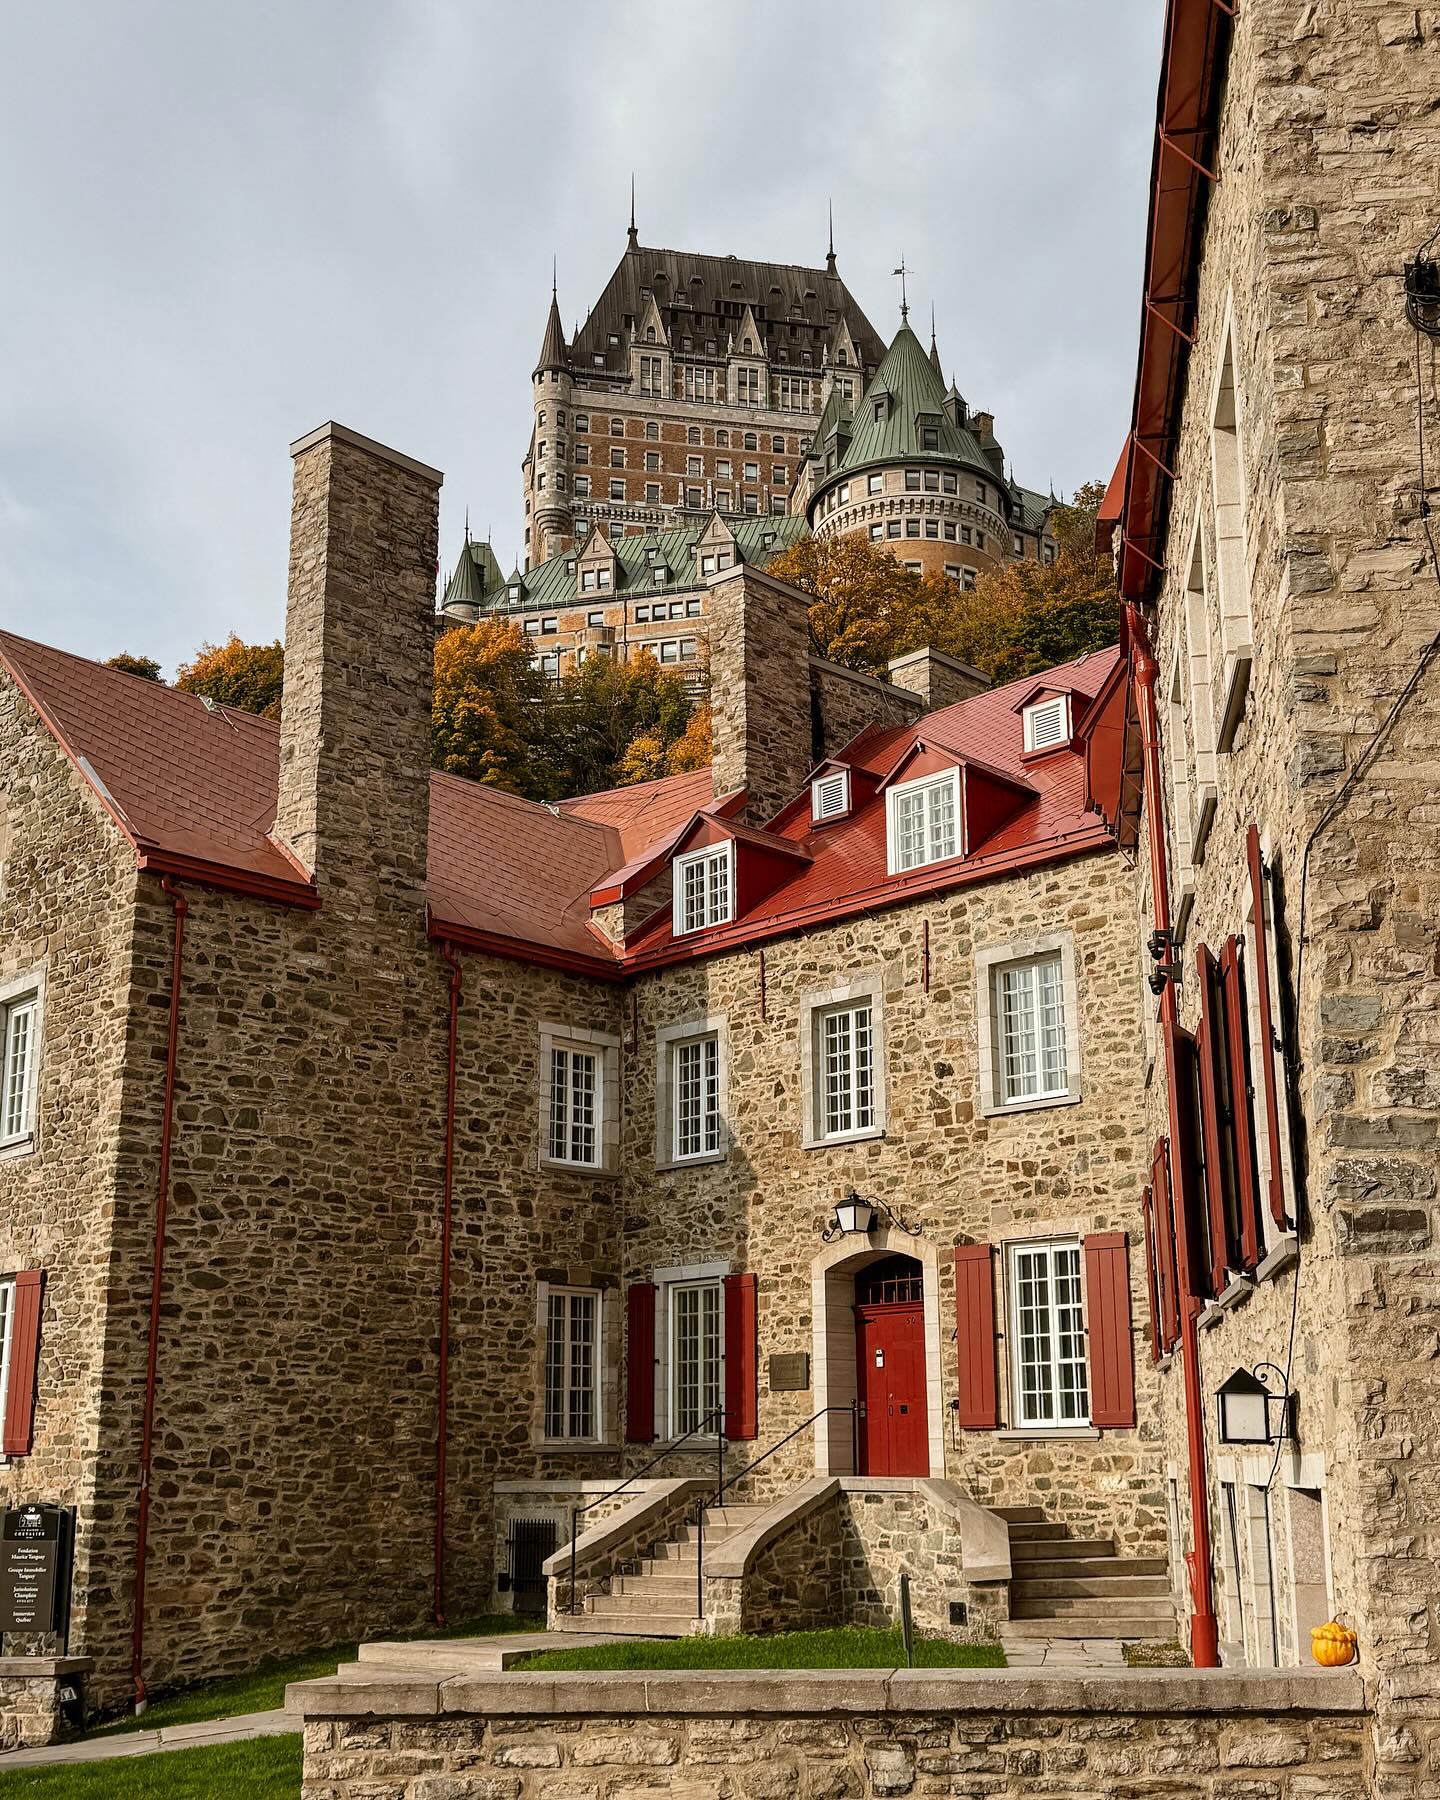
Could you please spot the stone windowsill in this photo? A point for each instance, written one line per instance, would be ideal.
(844, 1139)
(573, 1447)
(1001, 1109)
(1280, 1256)
(1044, 1434)
(1164, 1363)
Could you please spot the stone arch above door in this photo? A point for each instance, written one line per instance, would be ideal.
(832, 1284)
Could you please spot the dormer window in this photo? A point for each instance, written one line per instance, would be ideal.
(1047, 723)
(704, 888)
(879, 412)
(830, 796)
(922, 821)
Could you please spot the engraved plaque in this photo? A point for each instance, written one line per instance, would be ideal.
(790, 1374)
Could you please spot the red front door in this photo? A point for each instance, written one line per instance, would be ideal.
(890, 1361)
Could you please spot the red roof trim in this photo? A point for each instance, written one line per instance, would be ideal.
(443, 931)
(235, 881)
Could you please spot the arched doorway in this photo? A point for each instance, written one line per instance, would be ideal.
(890, 1367)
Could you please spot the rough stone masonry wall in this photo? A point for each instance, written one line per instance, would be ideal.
(1328, 183)
(940, 1162)
(837, 1735)
(66, 880)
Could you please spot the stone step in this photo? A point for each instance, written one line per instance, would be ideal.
(630, 1615)
(1117, 1587)
(1085, 1568)
(656, 1588)
(1021, 1530)
(714, 1534)
(1030, 1549)
(1094, 1625)
(1139, 1606)
(678, 1566)
(736, 1513)
(1020, 1515)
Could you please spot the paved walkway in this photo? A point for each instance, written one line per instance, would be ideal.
(486, 1653)
(1062, 1653)
(146, 1743)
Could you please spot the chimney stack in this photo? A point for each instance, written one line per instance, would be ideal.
(938, 679)
(359, 645)
(759, 689)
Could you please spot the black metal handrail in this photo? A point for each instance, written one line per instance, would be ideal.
(578, 1512)
(853, 1408)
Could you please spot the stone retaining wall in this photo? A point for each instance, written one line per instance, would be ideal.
(827, 1734)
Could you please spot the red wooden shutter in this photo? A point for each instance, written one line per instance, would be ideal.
(640, 1363)
(1210, 1049)
(1152, 1270)
(1165, 1244)
(1232, 981)
(975, 1335)
(741, 1399)
(1267, 1026)
(1186, 1196)
(19, 1428)
(1107, 1324)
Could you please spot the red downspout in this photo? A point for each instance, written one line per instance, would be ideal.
(1204, 1636)
(447, 951)
(157, 1270)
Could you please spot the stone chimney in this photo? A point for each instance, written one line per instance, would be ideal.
(359, 646)
(759, 689)
(938, 679)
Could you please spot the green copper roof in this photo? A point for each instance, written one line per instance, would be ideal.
(477, 576)
(552, 583)
(910, 388)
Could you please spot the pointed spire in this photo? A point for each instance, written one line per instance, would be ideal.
(633, 241)
(467, 527)
(934, 351)
(830, 268)
(902, 272)
(552, 348)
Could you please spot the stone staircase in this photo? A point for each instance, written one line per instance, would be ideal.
(1069, 1587)
(655, 1597)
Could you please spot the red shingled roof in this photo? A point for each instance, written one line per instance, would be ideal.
(194, 789)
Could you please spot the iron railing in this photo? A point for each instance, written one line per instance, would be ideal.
(716, 1417)
(853, 1408)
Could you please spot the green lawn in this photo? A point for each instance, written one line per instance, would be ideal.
(263, 1687)
(263, 1769)
(847, 1647)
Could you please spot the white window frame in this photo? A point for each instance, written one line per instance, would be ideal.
(815, 1009)
(572, 1040)
(670, 1040)
(990, 961)
(1048, 1250)
(723, 854)
(24, 997)
(830, 796)
(895, 798)
(1271, 1232)
(1232, 558)
(669, 1283)
(1058, 706)
(567, 1293)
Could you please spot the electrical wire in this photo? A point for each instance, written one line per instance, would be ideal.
(1339, 799)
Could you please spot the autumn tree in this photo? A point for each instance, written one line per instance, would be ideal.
(609, 723)
(487, 698)
(648, 757)
(145, 667)
(248, 677)
(863, 597)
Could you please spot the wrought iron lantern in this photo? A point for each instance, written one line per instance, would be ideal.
(852, 1215)
(1251, 1412)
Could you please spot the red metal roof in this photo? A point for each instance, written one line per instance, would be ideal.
(194, 789)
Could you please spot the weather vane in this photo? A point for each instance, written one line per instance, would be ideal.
(902, 272)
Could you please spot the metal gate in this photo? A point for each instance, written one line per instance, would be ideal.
(530, 1542)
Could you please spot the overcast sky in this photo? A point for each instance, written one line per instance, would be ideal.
(223, 223)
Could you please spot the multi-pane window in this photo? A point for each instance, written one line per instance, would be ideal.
(924, 821)
(695, 1091)
(1029, 1005)
(574, 1106)
(571, 1337)
(652, 375)
(18, 1057)
(1051, 1387)
(704, 888)
(694, 1354)
(845, 1053)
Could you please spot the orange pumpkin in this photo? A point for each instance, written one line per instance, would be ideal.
(1333, 1645)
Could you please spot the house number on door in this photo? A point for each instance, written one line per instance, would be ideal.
(879, 1359)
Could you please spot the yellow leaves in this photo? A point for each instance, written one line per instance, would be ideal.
(248, 677)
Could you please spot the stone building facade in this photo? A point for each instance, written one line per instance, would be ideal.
(357, 1114)
(1269, 526)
